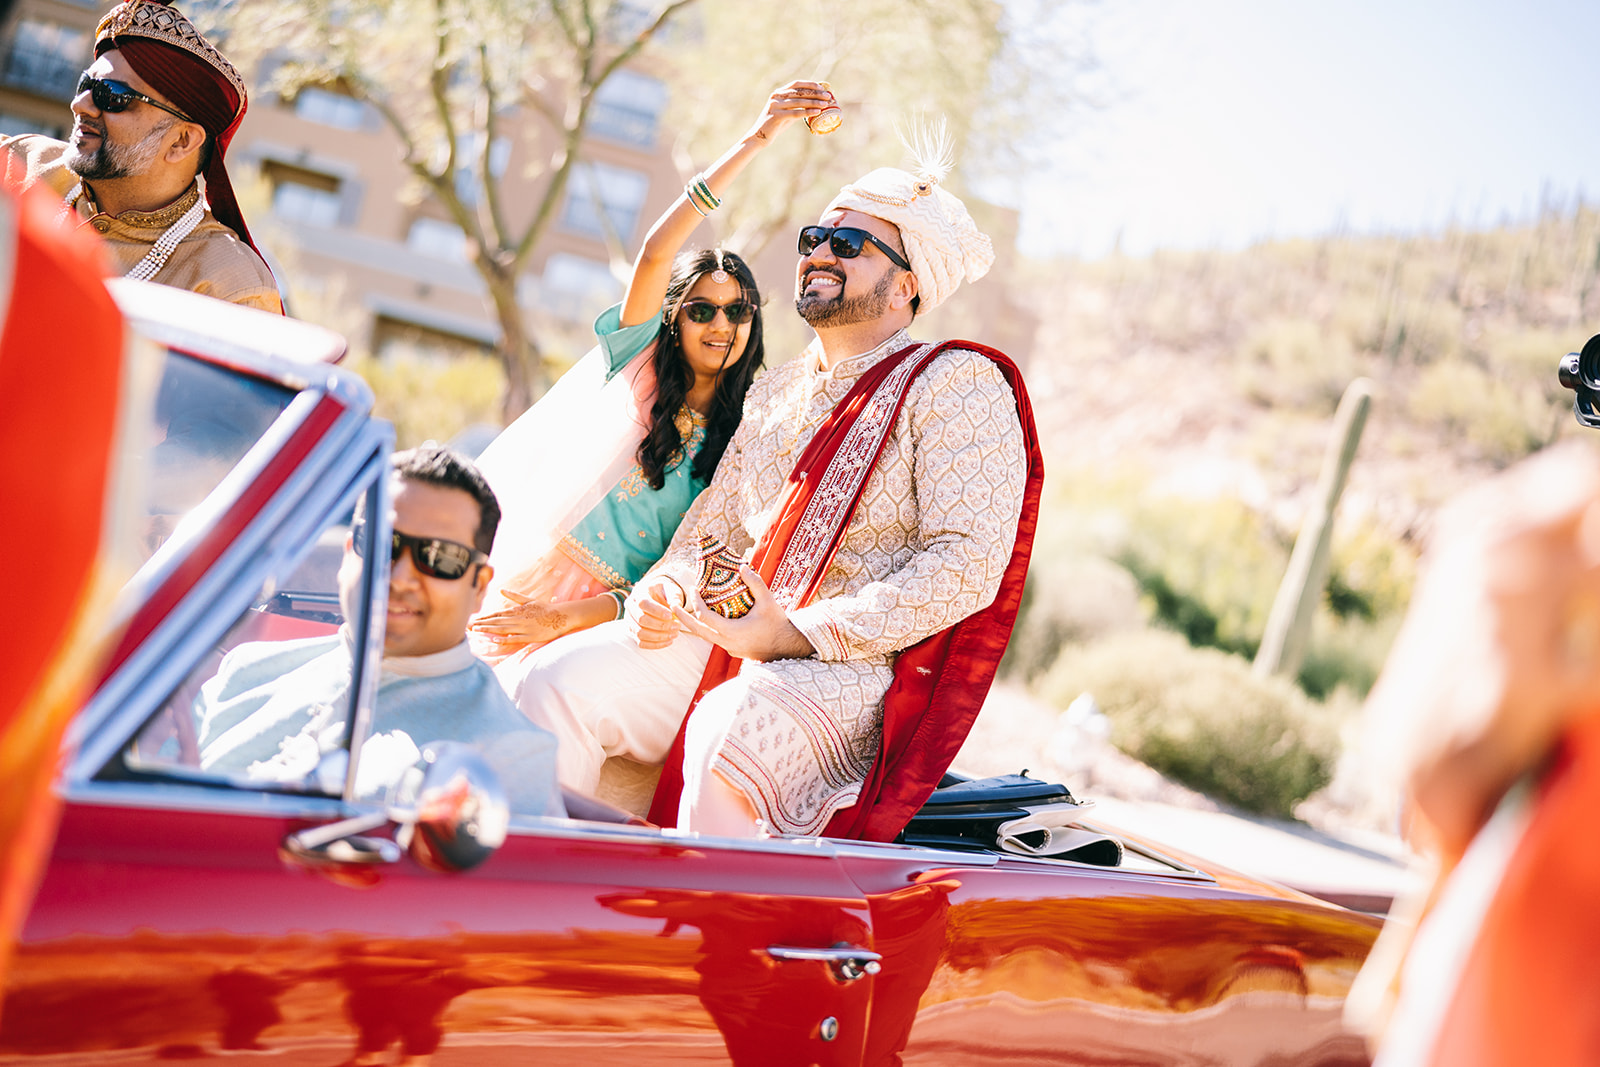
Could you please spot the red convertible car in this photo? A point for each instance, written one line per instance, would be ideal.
(190, 914)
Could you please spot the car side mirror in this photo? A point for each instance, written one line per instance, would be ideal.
(461, 814)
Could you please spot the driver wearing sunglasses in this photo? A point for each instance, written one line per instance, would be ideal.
(264, 713)
(154, 110)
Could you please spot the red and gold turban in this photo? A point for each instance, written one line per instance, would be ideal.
(164, 48)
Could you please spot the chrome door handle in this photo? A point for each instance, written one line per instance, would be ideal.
(847, 961)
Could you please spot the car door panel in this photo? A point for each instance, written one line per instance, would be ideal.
(183, 933)
(1056, 963)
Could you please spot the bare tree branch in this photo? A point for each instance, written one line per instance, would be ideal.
(491, 130)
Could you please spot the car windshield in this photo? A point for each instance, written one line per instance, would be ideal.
(268, 704)
(204, 419)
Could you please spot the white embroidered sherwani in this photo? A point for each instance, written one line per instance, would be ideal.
(927, 546)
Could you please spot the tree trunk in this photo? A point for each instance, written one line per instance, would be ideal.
(517, 351)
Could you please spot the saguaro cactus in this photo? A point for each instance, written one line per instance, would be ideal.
(1288, 632)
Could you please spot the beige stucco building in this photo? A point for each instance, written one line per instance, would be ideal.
(359, 247)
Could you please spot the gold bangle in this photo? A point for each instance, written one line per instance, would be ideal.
(681, 591)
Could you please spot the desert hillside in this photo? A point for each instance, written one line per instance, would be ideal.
(1218, 372)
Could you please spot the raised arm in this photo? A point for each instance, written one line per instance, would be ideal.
(651, 272)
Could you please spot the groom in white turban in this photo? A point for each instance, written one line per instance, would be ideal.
(883, 492)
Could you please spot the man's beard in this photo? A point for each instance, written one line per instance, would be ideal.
(841, 310)
(112, 160)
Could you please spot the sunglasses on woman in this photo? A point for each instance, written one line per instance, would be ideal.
(845, 242)
(703, 311)
(433, 556)
(116, 97)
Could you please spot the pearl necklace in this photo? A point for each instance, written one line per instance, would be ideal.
(164, 246)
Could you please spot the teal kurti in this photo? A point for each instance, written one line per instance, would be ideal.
(628, 530)
(270, 698)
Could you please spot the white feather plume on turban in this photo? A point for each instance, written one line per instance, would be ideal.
(943, 244)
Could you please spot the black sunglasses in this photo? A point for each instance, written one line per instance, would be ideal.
(114, 96)
(703, 311)
(433, 556)
(845, 242)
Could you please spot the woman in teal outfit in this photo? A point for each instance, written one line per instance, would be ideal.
(594, 478)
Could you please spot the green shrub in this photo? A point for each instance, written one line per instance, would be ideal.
(1200, 717)
(1069, 599)
(1208, 567)
(1505, 420)
(1296, 362)
(1346, 654)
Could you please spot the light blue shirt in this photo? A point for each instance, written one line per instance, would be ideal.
(270, 700)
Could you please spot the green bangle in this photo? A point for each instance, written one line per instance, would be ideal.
(700, 191)
(694, 203)
(622, 602)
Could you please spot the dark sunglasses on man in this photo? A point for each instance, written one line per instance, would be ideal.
(115, 96)
(845, 242)
(701, 311)
(433, 556)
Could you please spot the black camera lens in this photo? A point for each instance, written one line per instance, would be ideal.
(1589, 363)
(1580, 372)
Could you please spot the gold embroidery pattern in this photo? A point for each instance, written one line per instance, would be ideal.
(161, 218)
(157, 21)
(691, 430)
(592, 563)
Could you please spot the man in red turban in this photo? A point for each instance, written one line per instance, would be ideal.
(144, 166)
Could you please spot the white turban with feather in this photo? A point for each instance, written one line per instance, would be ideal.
(943, 244)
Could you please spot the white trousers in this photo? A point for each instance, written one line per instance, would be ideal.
(602, 695)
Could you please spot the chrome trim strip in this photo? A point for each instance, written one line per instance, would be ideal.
(958, 857)
(375, 594)
(532, 826)
(877, 850)
(221, 800)
(1180, 871)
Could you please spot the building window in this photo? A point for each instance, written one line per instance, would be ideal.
(332, 109)
(304, 195)
(438, 238)
(46, 58)
(627, 108)
(603, 198)
(577, 288)
(469, 157)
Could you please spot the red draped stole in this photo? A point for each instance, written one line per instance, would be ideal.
(940, 682)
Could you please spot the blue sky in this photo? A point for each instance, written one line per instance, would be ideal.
(1236, 120)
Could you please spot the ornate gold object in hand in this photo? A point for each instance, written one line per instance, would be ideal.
(827, 120)
(720, 585)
